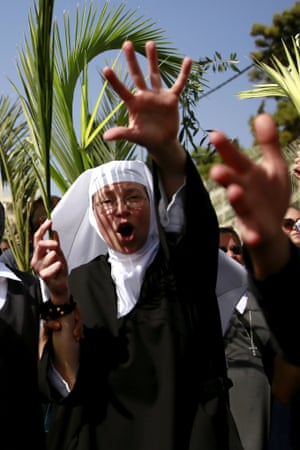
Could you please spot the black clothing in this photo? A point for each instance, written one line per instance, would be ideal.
(283, 318)
(7, 257)
(21, 424)
(154, 379)
(280, 433)
(278, 296)
(250, 354)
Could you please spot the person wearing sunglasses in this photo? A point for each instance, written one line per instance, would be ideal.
(249, 354)
(260, 195)
(231, 243)
(291, 224)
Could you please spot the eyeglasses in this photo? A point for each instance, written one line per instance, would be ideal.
(109, 206)
(235, 249)
(288, 224)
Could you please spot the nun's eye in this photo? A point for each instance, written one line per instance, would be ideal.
(106, 206)
(135, 202)
(109, 206)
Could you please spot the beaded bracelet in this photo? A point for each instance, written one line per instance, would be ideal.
(50, 311)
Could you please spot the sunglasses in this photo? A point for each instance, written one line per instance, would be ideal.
(235, 249)
(288, 224)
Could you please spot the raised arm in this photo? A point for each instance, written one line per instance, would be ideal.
(259, 194)
(153, 114)
(50, 265)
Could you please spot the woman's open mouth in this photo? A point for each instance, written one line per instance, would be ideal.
(125, 230)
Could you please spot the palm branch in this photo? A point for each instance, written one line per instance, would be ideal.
(36, 101)
(286, 83)
(95, 33)
(15, 153)
(286, 79)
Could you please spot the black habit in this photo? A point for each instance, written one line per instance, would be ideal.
(21, 421)
(156, 378)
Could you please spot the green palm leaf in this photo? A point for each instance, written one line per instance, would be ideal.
(286, 79)
(95, 34)
(58, 64)
(15, 173)
(35, 69)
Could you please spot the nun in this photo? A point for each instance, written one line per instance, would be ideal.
(147, 370)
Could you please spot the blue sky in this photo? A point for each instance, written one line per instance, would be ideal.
(197, 28)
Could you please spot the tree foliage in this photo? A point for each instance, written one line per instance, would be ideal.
(268, 41)
(197, 83)
(204, 158)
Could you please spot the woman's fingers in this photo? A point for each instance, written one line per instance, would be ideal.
(133, 66)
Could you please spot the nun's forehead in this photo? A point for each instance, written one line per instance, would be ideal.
(123, 186)
(118, 172)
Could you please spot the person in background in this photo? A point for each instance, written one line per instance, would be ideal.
(38, 212)
(21, 419)
(4, 244)
(148, 309)
(296, 166)
(249, 356)
(231, 243)
(36, 217)
(285, 414)
(291, 224)
(7, 257)
(260, 195)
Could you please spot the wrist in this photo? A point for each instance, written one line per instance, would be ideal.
(51, 311)
(272, 258)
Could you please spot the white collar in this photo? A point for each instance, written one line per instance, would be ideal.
(5, 272)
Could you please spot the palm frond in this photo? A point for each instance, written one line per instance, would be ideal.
(95, 33)
(15, 173)
(286, 79)
(35, 69)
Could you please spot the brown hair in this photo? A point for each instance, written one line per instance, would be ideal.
(229, 229)
(38, 212)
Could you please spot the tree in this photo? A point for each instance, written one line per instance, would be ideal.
(194, 91)
(268, 40)
(285, 84)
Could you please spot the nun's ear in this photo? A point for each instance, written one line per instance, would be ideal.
(2, 220)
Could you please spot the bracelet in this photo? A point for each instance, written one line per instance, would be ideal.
(50, 311)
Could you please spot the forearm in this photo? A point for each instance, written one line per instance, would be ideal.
(66, 350)
(278, 296)
(271, 257)
(171, 164)
(60, 326)
(61, 316)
